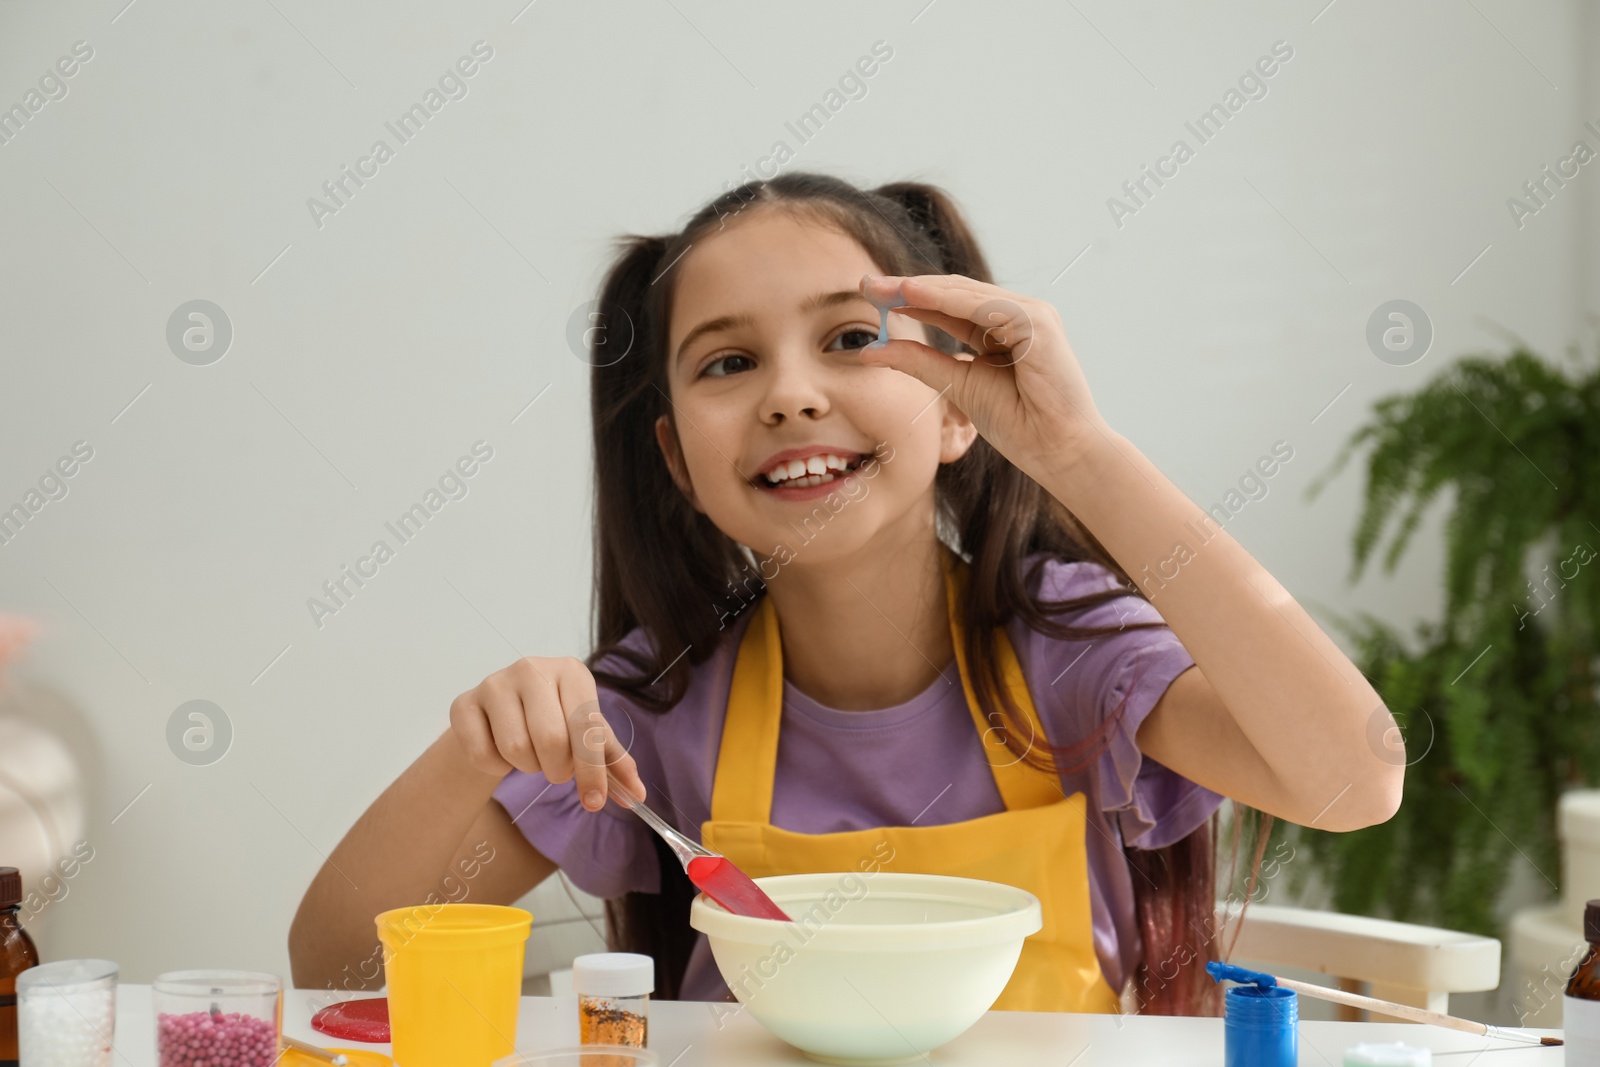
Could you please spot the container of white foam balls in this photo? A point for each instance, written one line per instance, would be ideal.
(66, 1013)
(1392, 1054)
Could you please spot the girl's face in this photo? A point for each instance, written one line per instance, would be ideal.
(763, 360)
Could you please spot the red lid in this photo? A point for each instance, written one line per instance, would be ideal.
(355, 1020)
(10, 887)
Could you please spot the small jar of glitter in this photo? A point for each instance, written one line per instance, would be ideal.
(613, 991)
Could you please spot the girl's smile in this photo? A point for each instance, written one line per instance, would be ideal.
(808, 473)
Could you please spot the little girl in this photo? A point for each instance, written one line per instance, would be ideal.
(864, 605)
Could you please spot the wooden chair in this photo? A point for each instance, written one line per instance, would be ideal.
(1402, 962)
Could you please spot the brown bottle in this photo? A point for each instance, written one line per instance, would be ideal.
(1580, 1008)
(17, 954)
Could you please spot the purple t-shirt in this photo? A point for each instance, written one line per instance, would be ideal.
(918, 763)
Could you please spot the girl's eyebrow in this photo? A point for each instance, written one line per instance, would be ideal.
(728, 322)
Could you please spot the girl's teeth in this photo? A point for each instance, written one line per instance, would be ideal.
(810, 479)
(814, 470)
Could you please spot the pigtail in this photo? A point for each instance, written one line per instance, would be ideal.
(938, 216)
(619, 381)
(644, 529)
(660, 565)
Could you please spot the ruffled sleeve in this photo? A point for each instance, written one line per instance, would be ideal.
(604, 855)
(1154, 805)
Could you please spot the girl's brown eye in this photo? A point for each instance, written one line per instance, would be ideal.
(866, 337)
(719, 361)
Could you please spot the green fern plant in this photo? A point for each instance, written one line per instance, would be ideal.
(1497, 702)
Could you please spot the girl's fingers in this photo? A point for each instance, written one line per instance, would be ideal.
(596, 750)
(936, 369)
(984, 317)
(979, 338)
(542, 715)
(945, 291)
(506, 706)
(525, 710)
(470, 723)
(889, 284)
(587, 733)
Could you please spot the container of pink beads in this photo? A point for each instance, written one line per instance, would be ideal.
(217, 1018)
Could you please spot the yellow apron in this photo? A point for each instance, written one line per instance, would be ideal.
(1036, 844)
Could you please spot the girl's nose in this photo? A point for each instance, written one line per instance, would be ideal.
(796, 388)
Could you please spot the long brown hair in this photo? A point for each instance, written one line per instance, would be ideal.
(662, 566)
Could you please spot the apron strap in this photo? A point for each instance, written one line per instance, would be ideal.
(1021, 784)
(747, 757)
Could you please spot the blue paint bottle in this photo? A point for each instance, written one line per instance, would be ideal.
(1260, 1024)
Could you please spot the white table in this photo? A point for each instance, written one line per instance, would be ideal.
(686, 1034)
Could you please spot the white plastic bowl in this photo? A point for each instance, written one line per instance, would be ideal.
(874, 969)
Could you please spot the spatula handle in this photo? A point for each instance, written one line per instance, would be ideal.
(681, 846)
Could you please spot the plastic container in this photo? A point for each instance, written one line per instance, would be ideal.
(1580, 1004)
(1259, 1026)
(614, 998)
(1388, 1054)
(67, 1013)
(203, 1016)
(354, 1057)
(454, 977)
(583, 1056)
(17, 954)
(885, 975)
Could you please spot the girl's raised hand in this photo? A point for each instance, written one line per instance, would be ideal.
(543, 715)
(1025, 392)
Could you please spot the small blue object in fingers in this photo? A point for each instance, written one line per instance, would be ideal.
(883, 305)
(1228, 972)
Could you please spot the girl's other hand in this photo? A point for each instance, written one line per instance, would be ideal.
(1024, 392)
(542, 715)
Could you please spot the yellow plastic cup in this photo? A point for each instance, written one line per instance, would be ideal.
(454, 976)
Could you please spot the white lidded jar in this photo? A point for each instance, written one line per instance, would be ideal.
(613, 991)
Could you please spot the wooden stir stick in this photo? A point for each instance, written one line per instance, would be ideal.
(1219, 971)
(336, 1058)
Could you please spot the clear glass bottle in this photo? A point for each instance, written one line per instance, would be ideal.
(1580, 1007)
(613, 991)
(67, 1013)
(17, 954)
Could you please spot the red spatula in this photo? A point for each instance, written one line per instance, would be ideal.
(712, 873)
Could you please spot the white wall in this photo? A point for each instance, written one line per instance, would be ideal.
(427, 313)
